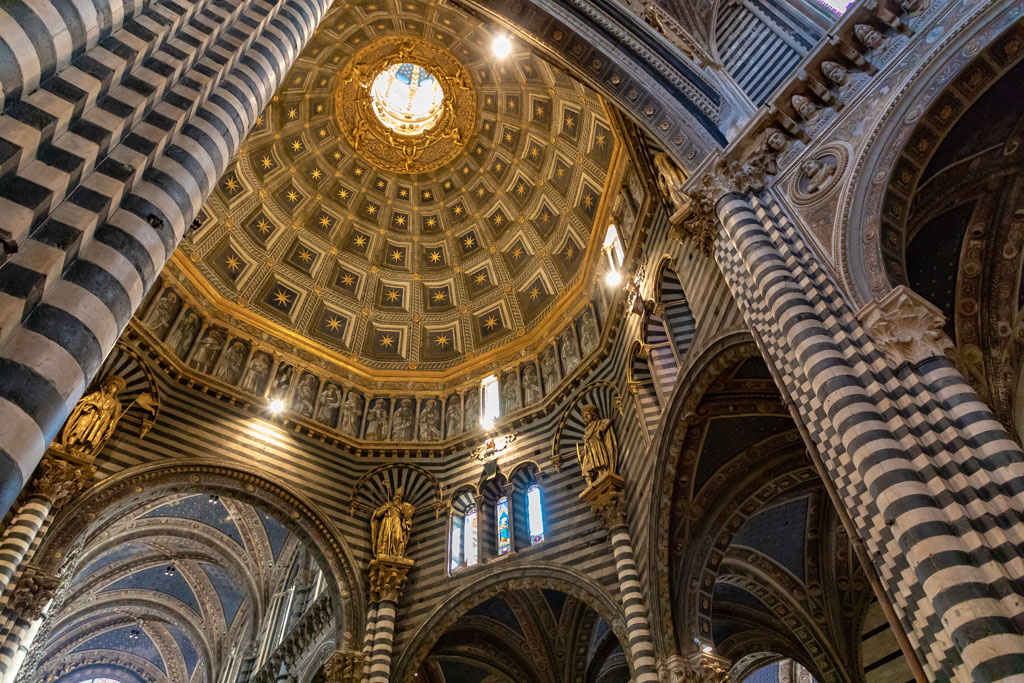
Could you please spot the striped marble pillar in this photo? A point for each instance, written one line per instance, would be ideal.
(55, 483)
(928, 476)
(387, 578)
(101, 228)
(606, 497)
(371, 627)
(383, 637)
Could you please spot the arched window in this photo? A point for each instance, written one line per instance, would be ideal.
(504, 525)
(491, 408)
(470, 547)
(535, 514)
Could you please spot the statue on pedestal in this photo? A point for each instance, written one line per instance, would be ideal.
(390, 526)
(93, 420)
(600, 453)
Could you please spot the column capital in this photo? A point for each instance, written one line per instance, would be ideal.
(701, 667)
(344, 666)
(906, 327)
(607, 499)
(387, 578)
(58, 480)
(35, 588)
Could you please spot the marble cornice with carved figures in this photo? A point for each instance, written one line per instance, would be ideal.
(841, 66)
(138, 335)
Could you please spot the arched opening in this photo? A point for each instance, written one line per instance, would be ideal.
(190, 572)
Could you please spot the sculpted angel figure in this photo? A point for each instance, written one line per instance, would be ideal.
(390, 526)
(600, 453)
(817, 173)
(93, 419)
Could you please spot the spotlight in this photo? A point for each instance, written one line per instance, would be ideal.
(502, 46)
(276, 405)
(170, 571)
(214, 499)
(706, 648)
(134, 634)
(613, 278)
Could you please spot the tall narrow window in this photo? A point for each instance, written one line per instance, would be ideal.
(491, 408)
(504, 526)
(456, 541)
(471, 550)
(613, 244)
(535, 514)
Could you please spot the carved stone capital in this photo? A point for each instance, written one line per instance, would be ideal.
(701, 667)
(699, 217)
(607, 499)
(387, 577)
(35, 588)
(906, 327)
(344, 667)
(58, 480)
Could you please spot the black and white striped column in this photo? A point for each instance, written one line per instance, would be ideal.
(638, 630)
(76, 282)
(371, 628)
(383, 638)
(931, 479)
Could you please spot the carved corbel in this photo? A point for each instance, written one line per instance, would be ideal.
(387, 578)
(344, 667)
(701, 667)
(58, 480)
(906, 327)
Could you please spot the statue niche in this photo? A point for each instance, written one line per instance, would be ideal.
(600, 453)
(94, 418)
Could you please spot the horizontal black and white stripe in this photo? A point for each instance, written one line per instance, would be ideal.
(82, 274)
(928, 475)
(383, 639)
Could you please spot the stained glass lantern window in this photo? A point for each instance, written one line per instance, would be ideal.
(535, 514)
(504, 525)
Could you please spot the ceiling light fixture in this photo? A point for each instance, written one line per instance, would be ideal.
(502, 46)
(276, 405)
(613, 277)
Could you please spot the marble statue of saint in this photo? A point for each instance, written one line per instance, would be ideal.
(570, 351)
(404, 421)
(377, 420)
(163, 313)
(181, 338)
(588, 332)
(600, 453)
(549, 369)
(306, 395)
(390, 526)
(206, 351)
(353, 414)
(330, 399)
(531, 385)
(282, 380)
(93, 419)
(231, 364)
(509, 393)
(471, 416)
(453, 416)
(670, 181)
(256, 373)
(430, 421)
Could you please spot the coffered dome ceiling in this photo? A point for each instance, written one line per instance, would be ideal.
(476, 233)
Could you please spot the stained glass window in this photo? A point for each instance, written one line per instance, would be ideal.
(456, 542)
(837, 6)
(471, 550)
(535, 514)
(504, 525)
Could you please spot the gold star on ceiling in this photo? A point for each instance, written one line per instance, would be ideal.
(427, 195)
(469, 241)
(305, 256)
(231, 184)
(498, 219)
(435, 256)
(336, 156)
(431, 222)
(262, 225)
(292, 113)
(569, 122)
(371, 209)
(396, 255)
(441, 340)
(267, 162)
(232, 263)
(534, 293)
(600, 140)
(458, 210)
(481, 278)
(357, 171)
(447, 184)
(538, 111)
(315, 174)
(380, 184)
(569, 252)
(545, 217)
(343, 194)
(347, 280)
(560, 171)
(491, 322)
(508, 137)
(588, 201)
(516, 253)
(293, 196)
(403, 193)
(282, 298)
(534, 152)
(399, 220)
(498, 167)
(440, 297)
(387, 341)
(259, 120)
(296, 145)
(360, 241)
(392, 295)
(325, 221)
(322, 132)
(520, 189)
(480, 192)
(334, 324)
(319, 108)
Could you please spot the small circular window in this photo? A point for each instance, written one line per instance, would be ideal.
(407, 98)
